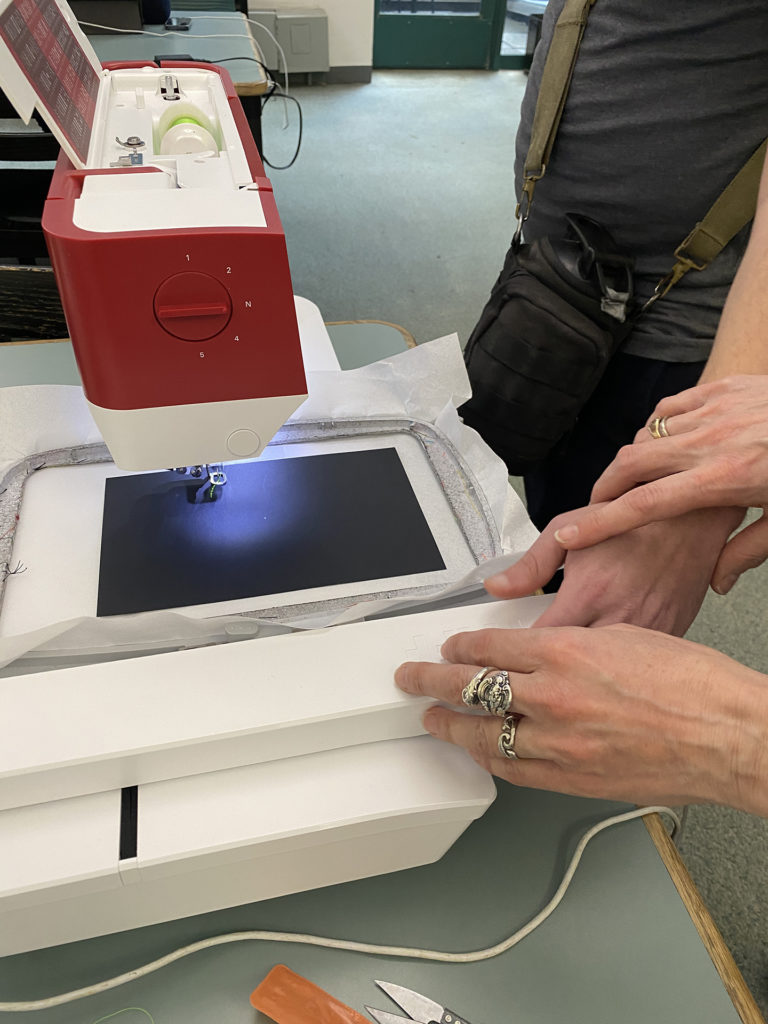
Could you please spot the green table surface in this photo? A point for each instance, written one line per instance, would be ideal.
(620, 949)
(48, 362)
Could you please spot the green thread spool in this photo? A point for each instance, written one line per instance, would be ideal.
(186, 134)
(185, 120)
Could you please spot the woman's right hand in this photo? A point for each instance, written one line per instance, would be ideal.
(615, 712)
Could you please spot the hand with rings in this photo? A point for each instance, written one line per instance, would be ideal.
(616, 712)
(704, 448)
(488, 689)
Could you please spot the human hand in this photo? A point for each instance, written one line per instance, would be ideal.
(618, 712)
(716, 454)
(655, 576)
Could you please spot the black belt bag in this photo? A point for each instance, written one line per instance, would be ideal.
(557, 313)
(562, 306)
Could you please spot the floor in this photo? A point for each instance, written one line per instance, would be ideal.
(515, 38)
(399, 208)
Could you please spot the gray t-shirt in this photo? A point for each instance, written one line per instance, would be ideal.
(668, 99)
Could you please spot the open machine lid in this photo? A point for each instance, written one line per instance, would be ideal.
(47, 62)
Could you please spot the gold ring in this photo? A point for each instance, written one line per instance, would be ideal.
(658, 427)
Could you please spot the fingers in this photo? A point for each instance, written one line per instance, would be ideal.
(636, 464)
(516, 650)
(538, 565)
(431, 679)
(660, 499)
(568, 609)
(686, 401)
(479, 734)
(685, 411)
(680, 414)
(675, 426)
(747, 550)
(443, 682)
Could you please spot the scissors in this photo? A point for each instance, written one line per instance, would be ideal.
(418, 1007)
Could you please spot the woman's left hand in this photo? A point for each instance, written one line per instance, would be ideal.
(617, 712)
(656, 576)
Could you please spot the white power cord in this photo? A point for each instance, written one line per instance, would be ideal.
(348, 945)
(278, 47)
(280, 50)
(162, 35)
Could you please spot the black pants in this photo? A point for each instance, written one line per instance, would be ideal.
(623, 402)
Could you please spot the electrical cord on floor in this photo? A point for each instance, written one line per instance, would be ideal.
(285, 96)
(348, 945)
(683, 822)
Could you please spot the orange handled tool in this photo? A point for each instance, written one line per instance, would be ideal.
(290, 999)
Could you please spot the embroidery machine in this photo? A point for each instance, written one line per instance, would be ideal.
(153, 782)
(157, 214)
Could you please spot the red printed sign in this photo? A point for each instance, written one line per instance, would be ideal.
(56, 66)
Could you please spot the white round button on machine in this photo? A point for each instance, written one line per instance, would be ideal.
(243, 443)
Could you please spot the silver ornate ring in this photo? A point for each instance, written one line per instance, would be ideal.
(495, 693)
(507, 737)
(469, 693)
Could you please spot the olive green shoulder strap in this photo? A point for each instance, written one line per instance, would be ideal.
(553, 92)
(731, 211)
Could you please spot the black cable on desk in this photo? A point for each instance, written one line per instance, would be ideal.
(207, 60)
(283, 95)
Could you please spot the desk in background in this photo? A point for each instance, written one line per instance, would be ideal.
(631, 943)
(237, 51)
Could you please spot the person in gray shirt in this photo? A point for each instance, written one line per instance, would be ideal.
(619, 712)
(667, 101)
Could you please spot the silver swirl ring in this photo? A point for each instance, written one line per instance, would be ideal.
(507, 737)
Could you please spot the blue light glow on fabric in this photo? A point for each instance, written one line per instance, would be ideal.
(277, 526)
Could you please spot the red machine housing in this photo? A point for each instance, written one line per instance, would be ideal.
(176, 316)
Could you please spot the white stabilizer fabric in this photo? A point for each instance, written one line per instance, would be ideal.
(426, 383)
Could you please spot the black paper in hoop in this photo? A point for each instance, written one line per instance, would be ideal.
(276, 526)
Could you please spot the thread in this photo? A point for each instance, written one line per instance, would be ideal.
(184, 120)
(186, 135)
